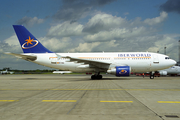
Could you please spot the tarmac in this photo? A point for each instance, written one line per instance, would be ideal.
(77, 97)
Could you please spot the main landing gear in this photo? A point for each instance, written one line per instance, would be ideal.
(151, 75)
(96, 76)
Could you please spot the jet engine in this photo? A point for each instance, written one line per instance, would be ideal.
(120, 71)
(163, 72)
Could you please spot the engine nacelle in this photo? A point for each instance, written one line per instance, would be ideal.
(120, 71)
(163, 72)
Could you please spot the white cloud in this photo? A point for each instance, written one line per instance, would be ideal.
(29, 21)
(118, 33)
(168, 41)
(102, 22)
(57, 45)
(86, 47)
(65, 29)
(11, 44)
(12, 40)
(156, 20)
(96, 46)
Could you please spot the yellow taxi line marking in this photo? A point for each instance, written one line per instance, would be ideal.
(168, 101)
(9, 100)
(58, 100)
(118, 101)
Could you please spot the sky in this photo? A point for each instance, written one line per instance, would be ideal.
(90, 26)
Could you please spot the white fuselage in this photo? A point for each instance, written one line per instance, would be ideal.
(138, 61)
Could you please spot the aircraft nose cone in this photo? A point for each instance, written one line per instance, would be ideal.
(173, 62)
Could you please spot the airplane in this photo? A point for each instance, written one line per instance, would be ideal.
(6, 71)
(62, 72)
(174, 70)
(116, 63)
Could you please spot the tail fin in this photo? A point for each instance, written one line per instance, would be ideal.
(28, 42)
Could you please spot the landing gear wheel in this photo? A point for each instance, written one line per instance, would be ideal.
(152, 76)
(96, 77)
(99, 76)
(93, 77)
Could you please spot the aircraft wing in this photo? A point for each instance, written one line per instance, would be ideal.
(23, 56)
(92, 63)
(99, 64)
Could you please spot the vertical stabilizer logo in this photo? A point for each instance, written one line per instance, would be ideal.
(30, 43)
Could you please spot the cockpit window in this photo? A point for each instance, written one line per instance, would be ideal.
(167, 58)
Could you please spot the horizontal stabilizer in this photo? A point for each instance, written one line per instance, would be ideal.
(23, 56)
